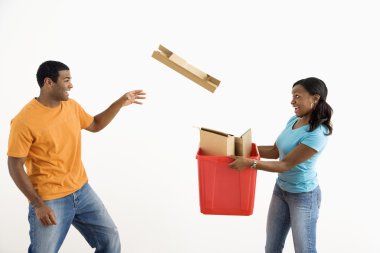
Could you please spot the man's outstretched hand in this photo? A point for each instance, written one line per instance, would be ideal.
(133, 97)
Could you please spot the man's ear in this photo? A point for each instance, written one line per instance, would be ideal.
(48, 82)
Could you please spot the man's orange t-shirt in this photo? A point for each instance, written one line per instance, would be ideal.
(50, 139)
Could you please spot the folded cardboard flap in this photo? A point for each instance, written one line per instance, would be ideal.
(163, 50)
(243, 144)
(178, 64)
(216, 143)
(197, 72)
(176, 59)
(181, 62)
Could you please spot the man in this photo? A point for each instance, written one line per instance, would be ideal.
(46, 137)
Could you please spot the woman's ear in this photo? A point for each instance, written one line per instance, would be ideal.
(316, 98)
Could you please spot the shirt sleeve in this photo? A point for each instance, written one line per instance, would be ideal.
(317, 139)
(20, 140)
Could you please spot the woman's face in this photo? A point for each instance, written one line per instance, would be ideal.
(302, 101)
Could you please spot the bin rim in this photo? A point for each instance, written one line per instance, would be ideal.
(254, 155)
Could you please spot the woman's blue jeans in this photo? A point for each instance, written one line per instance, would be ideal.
(298, 211)
(86, 212)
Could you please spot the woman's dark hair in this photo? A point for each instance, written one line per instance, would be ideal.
(322, 112)
(49, 69)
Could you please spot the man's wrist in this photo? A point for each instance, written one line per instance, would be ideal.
(37, 203)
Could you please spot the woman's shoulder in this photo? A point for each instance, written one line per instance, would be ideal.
(319, 133)
(322, 129)
(292, 120)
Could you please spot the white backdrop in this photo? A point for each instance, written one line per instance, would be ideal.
(143, 164)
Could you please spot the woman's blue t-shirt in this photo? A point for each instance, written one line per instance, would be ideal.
(302, 177)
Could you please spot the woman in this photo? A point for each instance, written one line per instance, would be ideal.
(296, 197)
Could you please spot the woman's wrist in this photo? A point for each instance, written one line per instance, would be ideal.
(254, 164)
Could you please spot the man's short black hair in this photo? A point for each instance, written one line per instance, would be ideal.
(50, 69)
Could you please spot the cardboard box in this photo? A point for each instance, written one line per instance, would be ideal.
(216, 143)
(178, 64)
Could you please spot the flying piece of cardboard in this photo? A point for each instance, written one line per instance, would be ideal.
(178, 64)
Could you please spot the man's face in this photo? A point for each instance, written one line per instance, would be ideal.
(60, 89)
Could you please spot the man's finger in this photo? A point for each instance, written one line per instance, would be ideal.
(48, 221)
(45, 221)
(53, 219)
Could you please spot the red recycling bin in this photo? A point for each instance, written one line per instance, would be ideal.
(223, 190)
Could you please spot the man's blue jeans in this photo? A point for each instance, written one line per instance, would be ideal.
(86, 212)
(298, 211)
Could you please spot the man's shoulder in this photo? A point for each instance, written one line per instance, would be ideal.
(27, 110)
(71, 102)
(25, 115)
(72, 105)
